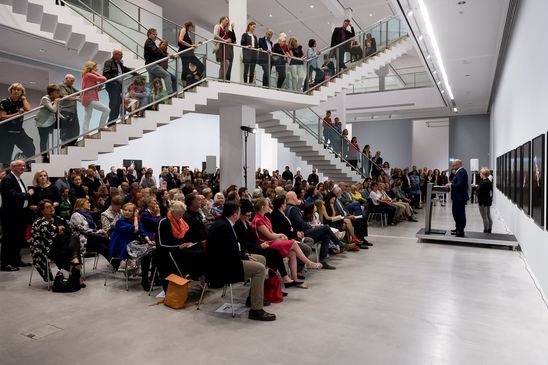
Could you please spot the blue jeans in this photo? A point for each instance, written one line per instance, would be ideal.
(157, 71)
(324, 234)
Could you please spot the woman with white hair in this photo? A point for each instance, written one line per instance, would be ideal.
(279, 61)
(218, 202)
(174, 254)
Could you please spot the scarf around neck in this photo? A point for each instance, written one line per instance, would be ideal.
(178, 226)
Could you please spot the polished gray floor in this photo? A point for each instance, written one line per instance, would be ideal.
(401, 302)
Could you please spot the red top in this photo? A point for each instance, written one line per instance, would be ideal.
(327, 121)
(260, 220)
(88, 80)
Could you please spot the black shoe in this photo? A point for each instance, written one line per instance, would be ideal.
(284, 294)
(9, 268)
(261, 315)
(23, 264)
(453, 231)
(363, 246)
(301, 277)
(266, 303)
(366, 242)
(460, 234)
(292, 284)
(146, 285)
(326, 266)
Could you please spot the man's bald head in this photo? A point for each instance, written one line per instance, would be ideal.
(291, 198)
(457, 164)
(117, 54)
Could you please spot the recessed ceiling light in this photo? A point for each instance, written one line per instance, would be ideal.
(32, 82)
(270, 15)
(461, 2)
(370, 14)
(42, 50)
(410, 13)
(439, 82)
(455, 110)
(443, 91)
(421, 37)
(311, 6)
(435, 72)
(428, 57)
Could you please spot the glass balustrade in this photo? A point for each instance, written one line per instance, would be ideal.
(144, 90)
(391, 82)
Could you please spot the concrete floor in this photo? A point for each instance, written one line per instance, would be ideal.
(401, 302)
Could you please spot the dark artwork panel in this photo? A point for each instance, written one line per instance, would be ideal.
(519, 178)
(526, 177)
(497, 172)
(507, 174)
(513, 176)
(138, 164)
(537, 180)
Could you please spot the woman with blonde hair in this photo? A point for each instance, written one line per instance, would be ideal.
(43, 190)
(12, 132)
(485, 199)
(297, 69)
(280, 60)
(90, 98)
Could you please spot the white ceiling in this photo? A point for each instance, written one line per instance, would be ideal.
(469, 37)
(31, 77)
(296, 18)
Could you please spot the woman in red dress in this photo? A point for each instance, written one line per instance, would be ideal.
(262, 228)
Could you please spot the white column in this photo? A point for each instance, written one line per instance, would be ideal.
(237, 12)
(232, 146)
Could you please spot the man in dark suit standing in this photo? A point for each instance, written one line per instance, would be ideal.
(265, 43)
(229, 263)
(114, 67)
(340, 35)
(459, 196)
(15, 216)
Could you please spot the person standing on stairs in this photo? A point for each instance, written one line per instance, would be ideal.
(12, 133)
(112, 68)
(341, 35)
(90, 98)
(70, 128)
(152, 54)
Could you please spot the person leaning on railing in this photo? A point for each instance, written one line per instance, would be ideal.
(153, 53)
(313, 67)
(70, 128)
(297, 70)
(223, 32)
(12, 132)
(188, 57)
(90, 98)
(249, 54)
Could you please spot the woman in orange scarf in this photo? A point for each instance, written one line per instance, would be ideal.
(176, 255)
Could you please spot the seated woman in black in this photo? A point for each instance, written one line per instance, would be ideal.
(51, 238)
(173, 248)
(273, 257)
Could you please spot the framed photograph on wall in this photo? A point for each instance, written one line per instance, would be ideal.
(526, 177)
(513, 176)
(507, 175)
(537, 179)
(519, 178)
(503, 174)
(497, 172)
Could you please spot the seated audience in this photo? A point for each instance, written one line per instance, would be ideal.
(227, 263)
(51, 238)
(112, 214)
(91, 238)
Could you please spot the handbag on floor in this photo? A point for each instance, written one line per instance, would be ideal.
(67, 285)
(273, 289)
(177, 292)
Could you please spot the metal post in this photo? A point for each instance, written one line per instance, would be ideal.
(428, 220)
(246, 134)
(320, 130)
(102, 15)
(269, 63)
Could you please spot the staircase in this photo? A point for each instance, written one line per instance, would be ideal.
(59, 23)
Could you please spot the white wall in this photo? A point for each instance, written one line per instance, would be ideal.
(519, 114)
(185, 141)
(430, 146)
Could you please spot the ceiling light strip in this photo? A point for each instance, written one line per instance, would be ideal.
(437, 53)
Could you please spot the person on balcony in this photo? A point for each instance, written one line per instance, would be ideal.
(224, 52)
(152, 54)
(12, 132)
(341, 35)
(90, 98)
(188, 57)
(250, 41)
(312, 56)
(280, 60)
(265, 43)
(297, 69)
(112, 68)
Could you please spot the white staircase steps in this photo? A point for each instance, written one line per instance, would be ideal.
(45, 19)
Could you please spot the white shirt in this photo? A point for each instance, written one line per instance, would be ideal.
(375, 196)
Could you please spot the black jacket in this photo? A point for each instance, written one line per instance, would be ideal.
(336, 36)
(224, 254)
(263, 44)
(110, 70)
(485, 193)
(282, 224)
(152, 52)
(13, 199)
(249, 55)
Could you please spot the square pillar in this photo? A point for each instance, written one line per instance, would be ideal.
(237, 12)
(232, 146)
